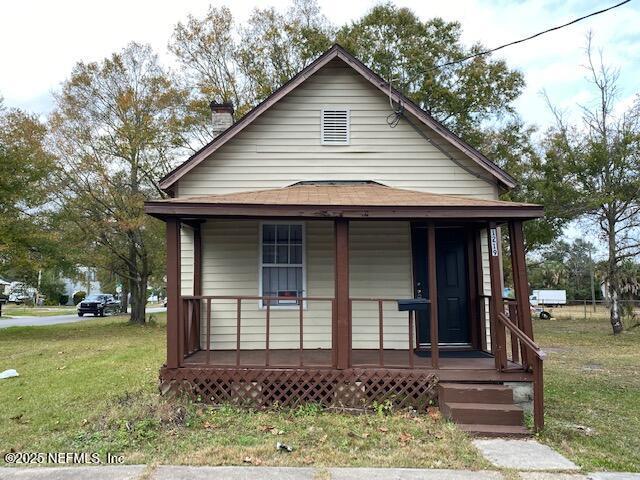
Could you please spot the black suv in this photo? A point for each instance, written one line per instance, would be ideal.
(99, 304)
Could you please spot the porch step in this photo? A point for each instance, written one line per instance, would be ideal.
(482, 409)
(495, 430)
(475, 393)
(483, 413)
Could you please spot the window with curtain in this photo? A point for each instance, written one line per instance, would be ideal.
(282, 265)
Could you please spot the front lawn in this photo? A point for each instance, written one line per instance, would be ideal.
(26, 311)
(592, 391)
(92, 386)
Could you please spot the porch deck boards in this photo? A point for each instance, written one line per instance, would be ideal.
(321, 358)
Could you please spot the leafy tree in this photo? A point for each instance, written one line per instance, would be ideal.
(29, 241)
(565, 266)
(114, 130)
(599, 165)
(511, 146)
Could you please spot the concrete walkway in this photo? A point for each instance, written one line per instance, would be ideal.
(142, 472)
(54, 319)
(522, 455)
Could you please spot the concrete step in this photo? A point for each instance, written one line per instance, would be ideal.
(478, 430)
(475, 393)
(483, 413)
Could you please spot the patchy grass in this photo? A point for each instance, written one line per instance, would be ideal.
(592, 388)
(92, 386)
(26, 311)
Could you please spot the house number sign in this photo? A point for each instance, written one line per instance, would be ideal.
(494, 242)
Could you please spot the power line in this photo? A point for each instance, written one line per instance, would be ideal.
(486, 52)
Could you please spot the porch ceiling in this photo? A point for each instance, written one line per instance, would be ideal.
(349, 200)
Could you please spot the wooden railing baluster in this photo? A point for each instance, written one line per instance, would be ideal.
(181, 320)
(380, 333)
(238, 309)
(411, 317)
(189, 327)
(301, 334)
(208, 322)
(268, 327)
(515, 351)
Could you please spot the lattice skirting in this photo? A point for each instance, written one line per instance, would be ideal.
(262, 388)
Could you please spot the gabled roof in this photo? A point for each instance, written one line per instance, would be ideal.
(341, 199)
(336, 51)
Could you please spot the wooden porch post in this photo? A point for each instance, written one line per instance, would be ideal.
(173, 291)
(433, 292)
(498, 336)
(342, 318)
(197, 285)
(197, 259)
(520, 281)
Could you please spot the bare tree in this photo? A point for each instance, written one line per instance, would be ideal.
(600, 162)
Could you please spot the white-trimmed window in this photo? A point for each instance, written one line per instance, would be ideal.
(335, 126)
(282, 261)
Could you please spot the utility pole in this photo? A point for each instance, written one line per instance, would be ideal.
(593, 286)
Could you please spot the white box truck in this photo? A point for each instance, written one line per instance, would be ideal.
(546, 298)
(551, 298)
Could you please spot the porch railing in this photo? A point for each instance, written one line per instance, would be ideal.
(514, 350)
(412, 334)
(535, 357)
(189, 329)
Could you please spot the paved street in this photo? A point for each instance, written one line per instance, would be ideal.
(135, 472)
(54, 320)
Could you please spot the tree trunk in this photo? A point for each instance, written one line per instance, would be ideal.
(616, 322)
(612, 266)
(138, 299)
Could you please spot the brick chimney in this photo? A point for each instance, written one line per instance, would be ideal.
(221, 117)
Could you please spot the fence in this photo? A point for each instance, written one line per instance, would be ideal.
(629, 309)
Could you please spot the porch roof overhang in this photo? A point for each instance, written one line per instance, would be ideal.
(341, 200)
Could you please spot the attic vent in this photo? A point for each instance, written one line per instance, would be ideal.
(335, 126)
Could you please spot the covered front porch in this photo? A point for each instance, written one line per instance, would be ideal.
(335, 326)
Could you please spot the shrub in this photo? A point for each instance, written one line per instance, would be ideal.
(78, 297)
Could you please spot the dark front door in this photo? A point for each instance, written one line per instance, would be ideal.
(453, 288)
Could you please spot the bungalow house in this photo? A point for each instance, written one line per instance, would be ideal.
(338, 245)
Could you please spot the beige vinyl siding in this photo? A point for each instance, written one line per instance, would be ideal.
(283, 146)
(380, 267)
(186, 261)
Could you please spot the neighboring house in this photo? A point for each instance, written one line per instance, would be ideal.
(291, 236)
(5, 287)
(85, 281)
